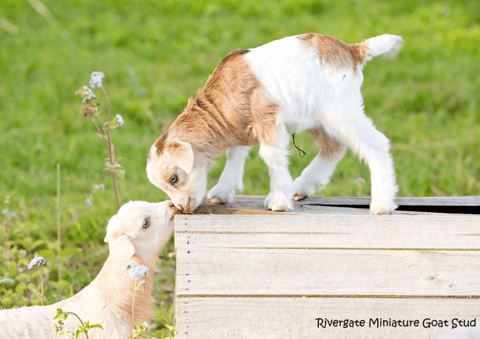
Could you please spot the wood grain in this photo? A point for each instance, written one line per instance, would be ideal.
(272, 318)
(328, 231)
(236, 271)
(349, 205)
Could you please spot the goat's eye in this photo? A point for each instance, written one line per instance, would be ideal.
(173, 179)
(146, 223)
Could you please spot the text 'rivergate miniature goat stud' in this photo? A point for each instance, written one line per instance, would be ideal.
(308, 82)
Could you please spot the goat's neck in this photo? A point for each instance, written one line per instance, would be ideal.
(208, 129)
(117, 290)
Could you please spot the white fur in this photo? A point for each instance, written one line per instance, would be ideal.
(231, 178)
(386, 45)
(317, 174)
(126, 238)
(311, 94)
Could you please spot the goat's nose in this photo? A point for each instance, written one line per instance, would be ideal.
(174, 208)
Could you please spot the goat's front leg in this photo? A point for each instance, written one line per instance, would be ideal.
(275, 157)
(231, 177)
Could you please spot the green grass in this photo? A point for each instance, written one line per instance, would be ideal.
(157, 54)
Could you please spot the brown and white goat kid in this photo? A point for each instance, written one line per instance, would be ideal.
(136, 234)
(308, 82)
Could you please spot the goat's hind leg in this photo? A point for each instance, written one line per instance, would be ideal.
(369, 144)
(319, 171)
(231, 177)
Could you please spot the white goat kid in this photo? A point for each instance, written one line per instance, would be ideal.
(136, 233)
(307, 83)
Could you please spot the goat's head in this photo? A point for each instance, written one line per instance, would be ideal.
(140, 229)
(178, 170)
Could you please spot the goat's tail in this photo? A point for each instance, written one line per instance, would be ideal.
(386, 45)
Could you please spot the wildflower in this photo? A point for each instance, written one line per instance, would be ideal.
(11, 214)
(7, 200)
(99, 187)
(360, 181)
(147, 326)
(38, 260)
(120, 120)
(142, 284)
(96, 79)
(87, 94)
(88, 202)
(137, 271)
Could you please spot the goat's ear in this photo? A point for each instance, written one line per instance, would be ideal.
(122, 247)
(182, 154)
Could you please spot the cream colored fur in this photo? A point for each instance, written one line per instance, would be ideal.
(108, 299)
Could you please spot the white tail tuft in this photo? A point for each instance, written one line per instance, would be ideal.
(386, 45)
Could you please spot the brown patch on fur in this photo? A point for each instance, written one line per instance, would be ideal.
(336, 52)
(174, 147)
(160, 143)
(231, 110)
(329, 145)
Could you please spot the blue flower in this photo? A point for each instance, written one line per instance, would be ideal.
(38, 260)
(120, 120)
(96, 79)
(137, 271)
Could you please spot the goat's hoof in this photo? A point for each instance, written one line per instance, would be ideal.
(276, 210)
(381, 213)
(300, 196)
(217, 201)
(386, 209)
(278, 202)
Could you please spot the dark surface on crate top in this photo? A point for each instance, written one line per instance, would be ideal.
(350, 205)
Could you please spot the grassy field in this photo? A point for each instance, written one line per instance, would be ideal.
(157, 54)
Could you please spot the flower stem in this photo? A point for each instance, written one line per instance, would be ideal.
(6, 224)
(110, 148)
(133, 304)
(41, 286)
(59, 224)
(80, 322)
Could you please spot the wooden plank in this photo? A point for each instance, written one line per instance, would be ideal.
(218, 271)
(349, 205)
(280, 318)
(328, 231)
(254, 205)
(401, 201)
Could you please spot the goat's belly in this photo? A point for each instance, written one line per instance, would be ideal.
(293, 77)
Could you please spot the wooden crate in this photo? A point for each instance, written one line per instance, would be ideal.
(243, 272)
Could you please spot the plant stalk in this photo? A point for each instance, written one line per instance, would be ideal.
(110, 148)
(59, 224)
(41, 286)
(86, 334)
(133, 304)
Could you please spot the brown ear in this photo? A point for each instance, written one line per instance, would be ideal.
(122, 247)
(181, 153)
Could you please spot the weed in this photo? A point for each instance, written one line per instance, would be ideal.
(71, 333)
(91, 111)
